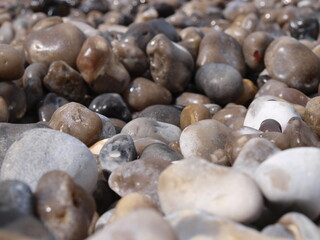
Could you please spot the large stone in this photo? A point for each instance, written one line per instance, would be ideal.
(195, 183)
(41, 150)
(289, 180)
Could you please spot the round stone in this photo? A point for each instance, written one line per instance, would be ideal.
(312, 114)
(12, 63)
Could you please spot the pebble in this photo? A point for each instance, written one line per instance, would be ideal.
(253, 153)
(218, 47)
(153, 129)
(291, 188)
(49, 104)
(64, 207)
(267, 107)
(160, 150)
(117, 150)
(231, 194)
(312, 115)
(138, 176)
(78, 121)
(143, 93)
(100, 67)
(270, 125)
(4, 111)
(171, 65)
(302, 73)
(137, 225)
(111, 105)
(12, 60)
(163, 113)
(220, 82)
(38, 147)
(65, 81)
(108, 130)
(205, 139)
(196, 224)
(229, 112)
(187, 98)
(59, 42)
(248, 93)
(193, 113)
(142, 143)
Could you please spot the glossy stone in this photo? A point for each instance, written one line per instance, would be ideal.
(111, 105)
(142, 93)
(220, 82)
(142, 143)
(229, 112)
(302, 73)
(64, 207)
(100, 67)
(218, 47)
(248, 93)
(304, 27)
(138, 176)
(78, 121)
(312, 114)
(271, 87)
(193, 113)
(60, 42)
(65, 81)
(181, 187)
(15, 99)
(293, 96)
(171, 65)
(38, 147)
(284, 187)
(145, 127)
(12, 63)
(205, 139)
(160, 150)
(116, 151)
(187, 98)
(32, 83)
(162, 113)
(4, 111)
(137, 225)
(49, 105)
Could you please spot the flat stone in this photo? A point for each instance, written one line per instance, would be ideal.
(39, 147)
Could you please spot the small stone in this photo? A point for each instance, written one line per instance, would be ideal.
(60, 42)
(116, 151)
(304, 28)
(142, 143)
(268, 107)
(160, 150)
(284, 187)
(300, 134)
(312, 114)
(248, 93)
(271, 87)
(171, 65)
(145, 127)
(16, 196)
(252, 154)
(229, 112)
(138, 176)
(64, 207)
(46, 23)
(270, 125)
(38, 147)
(163, 113)
(118, 124)
(111, 105)
(293, 96)
(12, 63)
(49, 105)
(142, 93)
(204, 139)
(100, 67)
(130, 203)
(217, 190)
(302, 73)
(218, 47)
(78, 121)
(96, 148)
(220, 82)
(137, 225)
(65, 81)
(193, 113)
(108, 130)
(4, 111)
(187, 98)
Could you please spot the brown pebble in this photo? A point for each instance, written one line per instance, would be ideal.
(65, 81)
(248, 93)
(78, 121)
(142, 93)
(193, 113)
(12, 63)
(4, 111)
(230, 111)
(64, 207)
(100, 67)
(141, 143)
(294, 96)
(312, 114)
(238, 33)
(187, 98)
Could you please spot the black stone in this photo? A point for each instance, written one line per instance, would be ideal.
(304, 28)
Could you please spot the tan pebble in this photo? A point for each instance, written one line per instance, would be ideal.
(193, 113)
(96, 148)
(248, 93)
